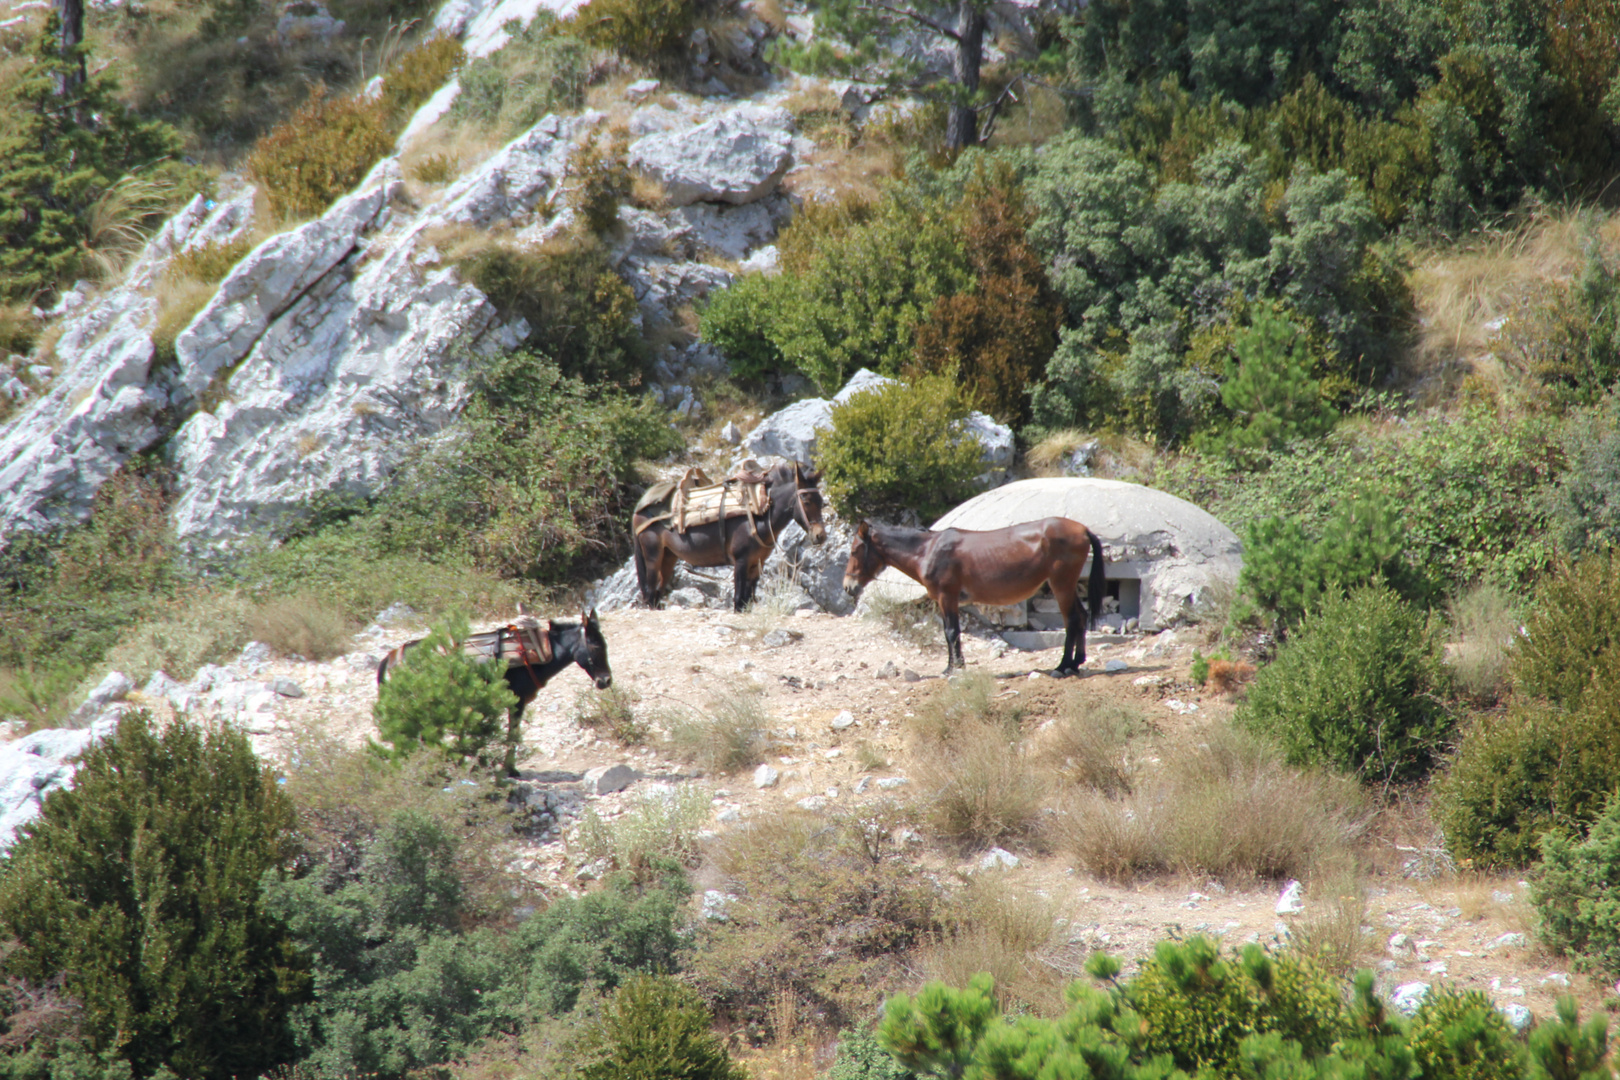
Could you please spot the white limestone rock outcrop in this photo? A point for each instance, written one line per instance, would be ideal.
(35, 765)
(737, 157)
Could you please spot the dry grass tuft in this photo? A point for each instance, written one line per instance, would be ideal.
(1333, 928)
(1227, 807)
(611, 712)
(1088, 746)
(1012, 934)
(1485, 622)
(301, 625)
(914, 621)
(1466, 294)
(1226, 676)
(660, 827)
(732, 735)
(199, 628)
(979, 787)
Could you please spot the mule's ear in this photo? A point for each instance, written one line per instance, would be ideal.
(863, 530)
(593, 617)
(812, 477)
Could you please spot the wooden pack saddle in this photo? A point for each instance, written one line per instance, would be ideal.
(519, 644)
(694, 499)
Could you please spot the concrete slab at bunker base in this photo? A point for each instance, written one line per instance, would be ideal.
(1166, 558)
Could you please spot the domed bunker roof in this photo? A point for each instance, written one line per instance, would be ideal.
(1164, 556)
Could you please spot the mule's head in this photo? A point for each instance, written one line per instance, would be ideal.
(796, 484)
(591, 653)
(864, 560)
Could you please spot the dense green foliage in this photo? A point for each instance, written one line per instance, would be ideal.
(539, 70)
(642, 30)
(899, 447)
(443, 698)
(1191, 1010)
(1471, 490)
(1358, 688)
(1585, 506)
(651, 1029)
(1270, 391)
(319, 154)
(139, 888)
(1142, 263)
(60, 157)
(405, 983)
(1577, 894)
(1551, 761)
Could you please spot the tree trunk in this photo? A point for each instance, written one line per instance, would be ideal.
(962, 124)
(70, 14)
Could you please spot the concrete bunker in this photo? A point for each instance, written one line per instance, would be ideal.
(1166, 558)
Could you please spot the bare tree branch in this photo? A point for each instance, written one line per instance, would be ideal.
(921, 20)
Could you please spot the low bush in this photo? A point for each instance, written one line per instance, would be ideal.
(1573, 633)
(1585, 504)
(1089, 746)
(198, 627)
(899, 448)
(139, 888)
(1358, 688)
(861, 1056)
(304, 624)
(1015, 936)
(658, 831)
(1460, 1033)
(979, 788)
(442, 698)
(418, 74)
(1227, 807)
(646, 31)
(307, 162)
(539, 70)
(731, 735)
(1576, 893)
(599, 181)
(827, 911)
(581, 313)
(1568, 340)
(655, 1027)
(1270, 391)
(611, 712)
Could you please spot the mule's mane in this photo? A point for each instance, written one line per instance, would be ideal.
(899, 536)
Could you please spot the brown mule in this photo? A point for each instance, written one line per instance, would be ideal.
(742, 542)
(998, 566)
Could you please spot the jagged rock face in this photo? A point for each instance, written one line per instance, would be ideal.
(737, 157)
(103, 405)
(332, 348)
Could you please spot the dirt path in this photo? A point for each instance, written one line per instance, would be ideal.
(1473, 930)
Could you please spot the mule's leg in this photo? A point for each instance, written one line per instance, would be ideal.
(949, 614)
(751, 582)
(666, 577)
(514, 734)
(1074, 629)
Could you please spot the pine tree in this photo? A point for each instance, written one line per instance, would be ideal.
(440, 697)
(140, 888)
(64, 143)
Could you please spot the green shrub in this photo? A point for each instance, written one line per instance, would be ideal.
(318, 155)
(899, 448)
(1460, 1033)
(654, 1028)
(418, 74)
(442, 698)
(1357, 688)
(738, 322)
(645, 31)
(139, 888)
(1585, 505)
(538, 71)
(61, 156)
(1576, 893)
(532, 482)
(1285, 573)
(1573, 633)
(660, 830)
(1141, 262)
(861, 1057)
(1270, 391)
(599, 181)
(581, 314)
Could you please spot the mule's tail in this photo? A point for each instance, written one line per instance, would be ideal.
(1097, 586)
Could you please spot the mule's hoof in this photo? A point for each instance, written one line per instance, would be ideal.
(1064, 673)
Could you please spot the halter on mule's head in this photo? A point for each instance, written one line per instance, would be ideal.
(591, 651)
(806, 497)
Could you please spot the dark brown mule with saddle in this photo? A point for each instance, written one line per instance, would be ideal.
(533, 653)
(735, 522)
(997, 566)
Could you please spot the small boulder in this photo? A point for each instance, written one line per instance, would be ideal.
(998, 858)
(606, 779)
(115, 687)
(1292, 900)
(766, 777)
(1408, 996)
(843, 721)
